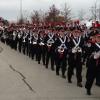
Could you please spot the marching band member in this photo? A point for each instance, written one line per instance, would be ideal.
(75, 57)
(50, 54)
(61, 46)
(34, 45)
(30, 40)
(19, 37)
(24, 43)
(93, 62)
(41, 47)
(14, 40)
(61, 53)
(3, 35)
(98, 62)
(27, 41)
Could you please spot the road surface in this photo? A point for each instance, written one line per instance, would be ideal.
(23, 79)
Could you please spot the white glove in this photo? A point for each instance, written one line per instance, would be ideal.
(96, 55)
(41, 43)
(34, 42)
(74, 50)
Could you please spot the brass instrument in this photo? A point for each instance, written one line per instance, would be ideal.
(24, 39)
(49, 44)
(19, 36)
(76, 49)
(61, 50)
(41, 43)
(96, 55)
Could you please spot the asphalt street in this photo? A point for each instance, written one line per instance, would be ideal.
(24, 79)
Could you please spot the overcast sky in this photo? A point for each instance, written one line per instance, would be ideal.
(10, 9)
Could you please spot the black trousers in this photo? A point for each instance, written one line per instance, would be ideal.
(90, 77)
(77, 64)
(61, 63)
(50, 55)
(2, 40)
(98, 76)
(19, 45)
(7, 41)
(34, 52)
(93, 72)
(41, 54)
(27, 48)
(39, 50)
(30, 50)
(14, 44)
(24, 48)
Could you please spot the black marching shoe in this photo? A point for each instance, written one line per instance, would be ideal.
(46, 66)
(52, 69)
(63, 76)
(38, 62)
(79, 84)
(57, 73)
(69, 81)
(88, 92)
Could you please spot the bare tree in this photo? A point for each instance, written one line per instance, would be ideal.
(42, 15)
(52, 14)
(66, 13)
(94, 11)
(35, 16)
(81, 14)
(99, 12)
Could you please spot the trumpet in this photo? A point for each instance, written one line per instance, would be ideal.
(49, 44)
(61, 50)
(76, 49)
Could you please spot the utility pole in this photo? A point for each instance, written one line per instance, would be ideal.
(21, 11)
